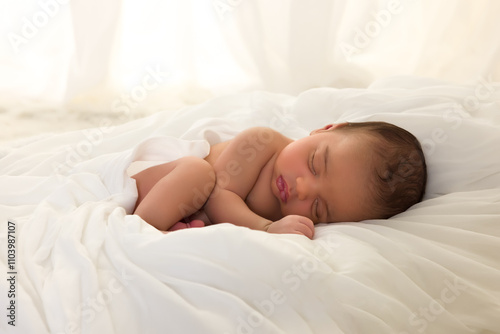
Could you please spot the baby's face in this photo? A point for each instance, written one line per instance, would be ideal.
(324, 177)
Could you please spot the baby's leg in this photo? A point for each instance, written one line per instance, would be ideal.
(183, 225)
(172, 191)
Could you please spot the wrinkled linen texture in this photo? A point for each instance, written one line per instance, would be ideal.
(85, 264)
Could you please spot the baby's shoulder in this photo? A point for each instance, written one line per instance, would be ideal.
(262, 136)
(253, 142)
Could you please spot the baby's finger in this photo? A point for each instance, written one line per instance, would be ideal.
(306, 228)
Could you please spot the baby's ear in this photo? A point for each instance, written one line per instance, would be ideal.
(328, 127)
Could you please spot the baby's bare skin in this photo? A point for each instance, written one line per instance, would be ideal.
(261, 180)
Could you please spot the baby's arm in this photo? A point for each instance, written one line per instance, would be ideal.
(165, 191)
(237, 169)
(224, 205)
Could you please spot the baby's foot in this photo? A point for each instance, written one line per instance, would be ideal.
(191, 224)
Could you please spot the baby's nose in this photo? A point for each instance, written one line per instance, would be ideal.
(305, 188)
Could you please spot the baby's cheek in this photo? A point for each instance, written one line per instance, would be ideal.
(301, 208)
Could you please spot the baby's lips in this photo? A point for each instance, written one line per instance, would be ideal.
(283, 188)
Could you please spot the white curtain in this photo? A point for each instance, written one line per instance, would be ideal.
(131, 55)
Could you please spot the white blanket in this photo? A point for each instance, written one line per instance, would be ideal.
(83, 264)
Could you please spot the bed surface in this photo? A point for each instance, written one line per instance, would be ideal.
(83, 264)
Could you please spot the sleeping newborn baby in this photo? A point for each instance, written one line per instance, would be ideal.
(343, 172)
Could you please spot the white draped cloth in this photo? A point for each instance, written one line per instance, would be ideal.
(83, 265)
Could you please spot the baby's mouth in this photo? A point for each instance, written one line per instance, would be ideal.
(283, 188)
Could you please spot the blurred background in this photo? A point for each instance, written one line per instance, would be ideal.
(65, 64)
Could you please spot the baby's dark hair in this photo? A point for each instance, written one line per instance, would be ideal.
(399, 167)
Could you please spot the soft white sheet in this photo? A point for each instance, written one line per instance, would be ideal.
(84, 266)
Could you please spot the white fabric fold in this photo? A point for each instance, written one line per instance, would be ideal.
(85, 265)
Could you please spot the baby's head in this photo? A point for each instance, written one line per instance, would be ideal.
(350, 172)
(399, 172)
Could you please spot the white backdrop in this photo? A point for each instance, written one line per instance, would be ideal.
(156, 54)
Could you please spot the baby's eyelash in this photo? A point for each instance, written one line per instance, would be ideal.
(315, 208)
(311, 163)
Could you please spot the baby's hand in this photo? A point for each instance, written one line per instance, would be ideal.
(293, 224)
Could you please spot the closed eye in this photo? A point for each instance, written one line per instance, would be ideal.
(315, 209)
(311, 163)
(326, 159)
